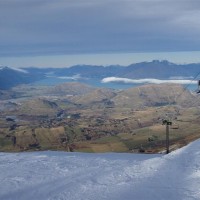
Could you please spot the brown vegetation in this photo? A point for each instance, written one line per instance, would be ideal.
(100, 120)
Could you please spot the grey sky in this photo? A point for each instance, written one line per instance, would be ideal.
(57, 27)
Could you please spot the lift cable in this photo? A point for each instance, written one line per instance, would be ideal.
(186, 87)
(184, 90)
(168, 122)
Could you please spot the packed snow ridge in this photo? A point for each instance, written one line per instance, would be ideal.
(112, 176)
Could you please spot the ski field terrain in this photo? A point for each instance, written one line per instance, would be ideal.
(114, 176)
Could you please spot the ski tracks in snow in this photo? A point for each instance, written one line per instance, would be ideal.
(79, 176)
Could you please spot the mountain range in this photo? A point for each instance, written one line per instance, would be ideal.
(10, 77)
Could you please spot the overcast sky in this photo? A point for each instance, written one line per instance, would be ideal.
(61, 28)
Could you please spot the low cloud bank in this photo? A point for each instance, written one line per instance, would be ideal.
(148, 80)
(181, 77)
(75, 77)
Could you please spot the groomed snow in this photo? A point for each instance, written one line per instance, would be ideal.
(112, 176)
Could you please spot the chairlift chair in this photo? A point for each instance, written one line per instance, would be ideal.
(175, 126)
(198, 90)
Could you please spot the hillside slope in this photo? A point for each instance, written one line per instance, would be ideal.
(59, 175)
(154, 95)
(71, 88)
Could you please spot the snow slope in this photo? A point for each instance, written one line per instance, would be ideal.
(112, 176)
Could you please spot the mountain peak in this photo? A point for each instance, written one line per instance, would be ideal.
(166, 62)
(2, 67)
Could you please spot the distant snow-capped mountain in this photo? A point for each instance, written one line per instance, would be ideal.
(10, 77)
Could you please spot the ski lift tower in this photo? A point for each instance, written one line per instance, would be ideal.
(167, 123)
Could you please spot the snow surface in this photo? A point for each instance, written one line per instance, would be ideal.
(15, 69)
(112, 176)
(19, 70)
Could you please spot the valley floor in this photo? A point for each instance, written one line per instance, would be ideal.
(80, 176)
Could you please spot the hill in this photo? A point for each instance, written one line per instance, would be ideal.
(154, 95)
(102, 95)
(76, 117)
(38, 106)
(60, 175)
(71, 88)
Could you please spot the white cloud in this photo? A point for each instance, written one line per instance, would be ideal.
(140, 81)
(75, 77)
